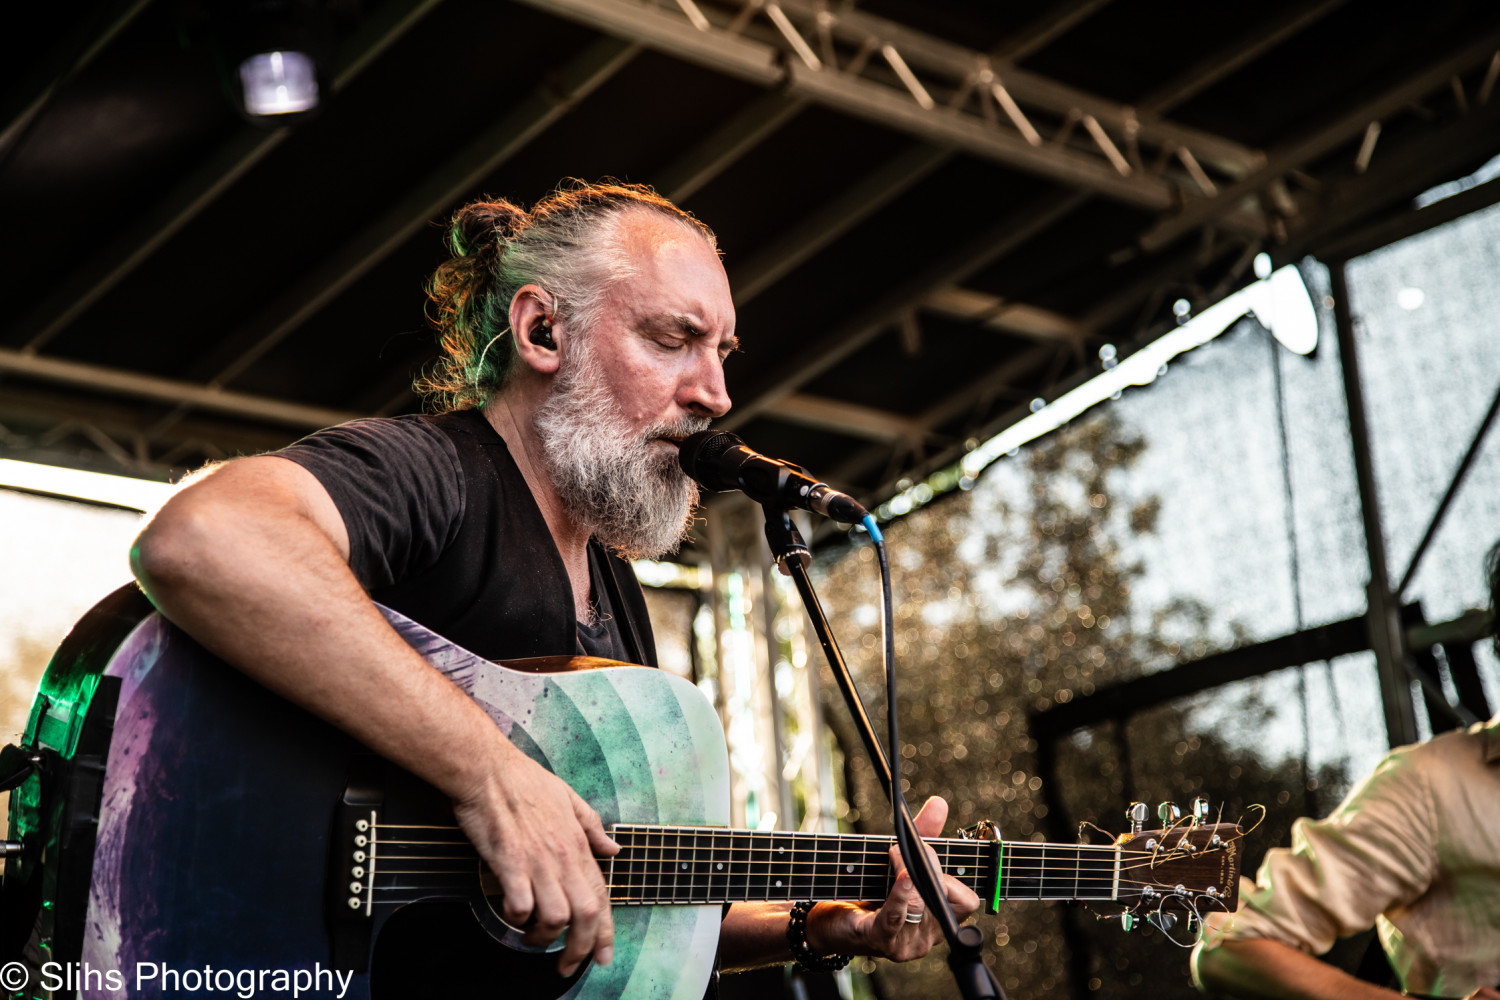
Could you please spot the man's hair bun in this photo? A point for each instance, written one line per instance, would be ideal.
(480, 228)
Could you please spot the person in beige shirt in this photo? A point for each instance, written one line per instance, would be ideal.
(1413, 851)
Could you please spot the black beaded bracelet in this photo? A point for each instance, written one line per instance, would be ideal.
(796, 936)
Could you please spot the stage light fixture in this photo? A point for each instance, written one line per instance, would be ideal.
(279, 83)
(273, 57)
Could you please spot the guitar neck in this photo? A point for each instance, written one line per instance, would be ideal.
(664, 864)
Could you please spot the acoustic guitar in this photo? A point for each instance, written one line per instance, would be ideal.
(173, 817)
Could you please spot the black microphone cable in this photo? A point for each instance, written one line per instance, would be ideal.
(927, 880)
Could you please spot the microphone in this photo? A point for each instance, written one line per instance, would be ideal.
(720, 461)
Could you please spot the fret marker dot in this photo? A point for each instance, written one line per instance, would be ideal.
(780, 850)
(849, 868)
(778, 883)
(962, 870)
(720, 866)
(684, 866)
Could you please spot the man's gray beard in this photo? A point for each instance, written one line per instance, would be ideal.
(630, 493)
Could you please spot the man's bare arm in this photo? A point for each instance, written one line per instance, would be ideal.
(252, 561)
(1260, 967)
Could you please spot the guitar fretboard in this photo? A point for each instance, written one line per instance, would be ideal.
(665, 864)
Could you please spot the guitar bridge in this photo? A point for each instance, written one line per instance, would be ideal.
(350, 897)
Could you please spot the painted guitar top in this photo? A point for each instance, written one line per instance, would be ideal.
(237, 831)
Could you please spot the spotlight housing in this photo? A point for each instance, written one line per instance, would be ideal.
(278, 83)
(273, 55)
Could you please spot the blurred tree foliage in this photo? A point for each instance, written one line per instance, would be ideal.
(977, 652)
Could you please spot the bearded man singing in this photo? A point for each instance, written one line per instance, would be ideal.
(582, 339)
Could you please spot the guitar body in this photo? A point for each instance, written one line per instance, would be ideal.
(224, 819)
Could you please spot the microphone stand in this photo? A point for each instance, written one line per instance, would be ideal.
(974, 979)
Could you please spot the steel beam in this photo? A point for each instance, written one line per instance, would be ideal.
(1322, 642)
(1453, 485)
(1342, 129)
(1241, 52)
(759, 62)
(215, 175)
(954, 404)
(955, 266)
(164, 390)
(664, 31)
(955, 63)
(1119, 701)
(1049, 26)
(64, 58)
(87, 285)
(1031, 322)
(29, 413)
(891, 108)
(1387, 638)
(1399, 172)
(1409, 223)
(726, 144)
(852, 206)
(988, 384)
(849, 419)
(1175, 268)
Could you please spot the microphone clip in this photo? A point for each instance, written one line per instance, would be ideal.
(785, 540)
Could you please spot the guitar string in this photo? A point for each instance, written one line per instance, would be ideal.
(697, 895)
(792, 836)
(670, 839)
(645, 830)
(640, 866)
(662, 880)
(826, 867)
(838, 857)
(690, 838)
(662, 831)
(1129, 861)
(671, 881)
(846, 842)
(842, 860)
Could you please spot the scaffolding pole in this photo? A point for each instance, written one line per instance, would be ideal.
(1383, 612)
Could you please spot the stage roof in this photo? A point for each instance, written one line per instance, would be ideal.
(932, 213)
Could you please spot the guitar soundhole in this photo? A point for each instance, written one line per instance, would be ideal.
(503, 930)
(437, 948)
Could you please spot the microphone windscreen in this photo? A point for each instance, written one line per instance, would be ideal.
(699, 455)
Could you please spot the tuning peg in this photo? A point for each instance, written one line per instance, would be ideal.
(1137, 814)
(1200, 810)
(1127, 921)
(1168, 813)
(1166, 921)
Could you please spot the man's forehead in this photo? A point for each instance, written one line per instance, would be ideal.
(677, 280)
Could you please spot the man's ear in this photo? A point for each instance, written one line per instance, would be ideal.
(537, 338)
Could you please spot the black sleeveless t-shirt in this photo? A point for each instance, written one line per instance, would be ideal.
(444, 529)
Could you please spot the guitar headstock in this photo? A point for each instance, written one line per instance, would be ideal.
(1185, 867)
(1188, 865)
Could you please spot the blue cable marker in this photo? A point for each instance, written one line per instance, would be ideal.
(874, 529)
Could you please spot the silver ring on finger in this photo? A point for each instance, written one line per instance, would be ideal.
(914, 916)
